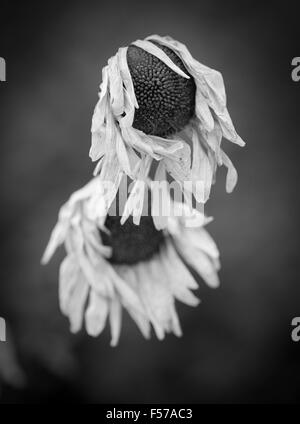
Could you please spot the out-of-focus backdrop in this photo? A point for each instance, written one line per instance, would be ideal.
(237, 344)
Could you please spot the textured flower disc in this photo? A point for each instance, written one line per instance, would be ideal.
(166, 100)
(131, 243)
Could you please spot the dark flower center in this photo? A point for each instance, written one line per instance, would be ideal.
(166, 100)
(131, 243)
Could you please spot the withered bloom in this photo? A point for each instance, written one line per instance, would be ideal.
(161, 115)
(155, 102)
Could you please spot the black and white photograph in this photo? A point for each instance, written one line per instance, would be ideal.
(149, 205)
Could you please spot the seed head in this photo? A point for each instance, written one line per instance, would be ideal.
(166, 100)
(131, 243)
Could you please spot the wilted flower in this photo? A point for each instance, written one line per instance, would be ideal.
(156, 101)
(140, 268)
(160, 117)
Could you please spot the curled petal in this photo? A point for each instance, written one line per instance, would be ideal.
(126, 76)
(232, 175)
(115, 86)
(160, 54)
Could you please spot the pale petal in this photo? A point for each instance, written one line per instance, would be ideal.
(115, 319)
(96, 314)
(96, 275)
(202, 172)
(156, 295)
(115, 86)
(98, 120)
(175, 265)
(228, 129)
(135, 139)
(111, 173)
(129, 161)
(160, 198)
(179, 278)
(99, 112)
(135, 202)
(203, 112)
(129, 274)
(56, 239)
(198, 260)
(126, 76)
(154, 146)
(179, 167)
(175, 323)
(129, 298)
(126, 120)
(76, 304)
(160, 54)
(201, 239)
(232, 176)
(215, 88)
(98, 148)
(69, 274)
(122, 155)
(213, 140)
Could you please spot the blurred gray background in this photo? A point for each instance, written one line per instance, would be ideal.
(236, 345)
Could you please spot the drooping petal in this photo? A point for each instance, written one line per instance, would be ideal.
(135, 202)
(228, 129)
(197, 259)
(203, 112)
(96, 314)
(128, 296)
(98, 120)
(232, 175)
(99, 112)
(115, 86)
(213, 139)
(115, 319)
(126, 76)
(94, 274)
(160, 198)
(76, 303)
(130, 275)
(69, 273)
(56, 239)
(202, 171)
(156, 297)
(154, 146)
(200, 239)
(126, 119)
(180, 279)
(128, 159)
(179, 166)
